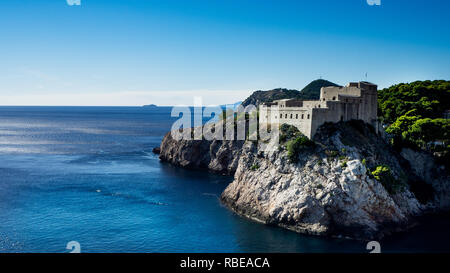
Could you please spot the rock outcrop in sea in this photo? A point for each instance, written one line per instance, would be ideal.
(219, 156)
(330, 190)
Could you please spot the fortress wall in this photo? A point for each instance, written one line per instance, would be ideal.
(368, 107)
(370, 100)
(294, 103)
(351, 108)
(300, 117)
(328, 93)
(336, 111)
(372, 115)
(314, 104)
(332, 113)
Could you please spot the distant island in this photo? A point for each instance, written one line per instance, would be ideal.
(150, 106)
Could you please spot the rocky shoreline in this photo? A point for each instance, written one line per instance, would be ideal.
(217, 156)
(330, 190)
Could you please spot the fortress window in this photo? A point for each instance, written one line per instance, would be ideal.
(285, 116)
(334, 98)
(319, 105)
(296, 116)
(291, 115)
(303, 116)
(308, 116)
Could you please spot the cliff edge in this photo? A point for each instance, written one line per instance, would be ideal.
(219, 156)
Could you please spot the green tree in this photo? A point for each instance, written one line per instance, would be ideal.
(426, 130)
(400, 127)
(429, 98)
(414, 113)
(383, 174)
(295, 145)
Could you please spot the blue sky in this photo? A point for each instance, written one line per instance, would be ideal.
(130, 52)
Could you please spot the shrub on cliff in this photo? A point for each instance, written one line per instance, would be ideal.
(288, 132)
(294, 146)
(383, 174)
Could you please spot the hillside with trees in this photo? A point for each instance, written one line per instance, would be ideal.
(312, 90)
(259, 97)
(309, 92)
(416, 115)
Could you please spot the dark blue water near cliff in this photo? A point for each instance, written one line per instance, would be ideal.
(87, 174)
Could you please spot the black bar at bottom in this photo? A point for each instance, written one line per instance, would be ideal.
(223, 262)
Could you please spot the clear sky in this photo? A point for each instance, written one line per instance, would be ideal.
(130, 52)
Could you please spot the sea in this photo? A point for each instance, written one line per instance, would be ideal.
(88, 175)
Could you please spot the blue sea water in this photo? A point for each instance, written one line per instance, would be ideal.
(87, 174)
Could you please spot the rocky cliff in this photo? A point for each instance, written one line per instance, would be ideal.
(217, 156)
(330, 190)
(437, 177)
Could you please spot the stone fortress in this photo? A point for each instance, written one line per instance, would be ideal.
(357, 100)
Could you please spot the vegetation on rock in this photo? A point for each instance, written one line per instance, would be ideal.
(295, 141)
(415, 114)
(288, 132)
(383, 174)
